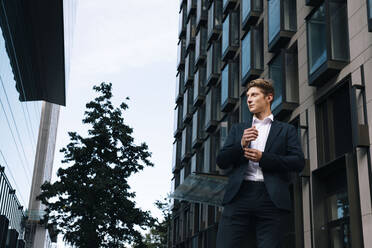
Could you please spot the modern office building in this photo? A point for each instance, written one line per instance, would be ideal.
(319, 55)
(35, 41)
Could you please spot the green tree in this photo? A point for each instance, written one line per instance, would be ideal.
(91, 204)
(157, 237)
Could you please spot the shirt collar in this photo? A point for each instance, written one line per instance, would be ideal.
(267, 119)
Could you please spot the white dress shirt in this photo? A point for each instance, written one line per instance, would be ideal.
(254, 172)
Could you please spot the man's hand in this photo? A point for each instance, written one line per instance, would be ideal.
(252, 154)
(249, 135)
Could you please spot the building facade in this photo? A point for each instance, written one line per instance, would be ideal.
(319, 55)
(35, 41)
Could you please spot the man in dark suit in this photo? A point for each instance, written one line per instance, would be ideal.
(261, 154)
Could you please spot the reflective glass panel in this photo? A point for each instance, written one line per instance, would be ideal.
(246, 9)
(209, 61)
(316, 29)
(225, 85)
(258, 47)
(289, 15)
(246, 54)
(275, 74)
(339, 31)
(274, 18)
(195, 126)
(225, 34)
(210, 19)
(19, 128)
(208, 107)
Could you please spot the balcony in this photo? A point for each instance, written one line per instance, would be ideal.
(328, 41)
(250, 12)
(213, 63)
(214, 20)
(283, 70)
(252, 55)
(230, 36)
(282, 23)
(199, 86)
(229, 86)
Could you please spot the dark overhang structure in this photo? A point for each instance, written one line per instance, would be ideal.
(34, 35)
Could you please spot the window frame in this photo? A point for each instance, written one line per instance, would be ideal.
(228, 5)
(253, 72)
(369, 15)
(199, 86)
(191, 8)
(182, 20)
(283, 36)
(190, 33)
(211, 118)
(214, 29)
(216, 58)
(285, 107)
(180, 78)
(201, 45)
(198, 120)
(188, 101)
(189, 68)
(178, 120)
(232, 86)
(330, 67)
(252, 16)
(233, 36)
(181, 54)
(201, 13)
(186, 150)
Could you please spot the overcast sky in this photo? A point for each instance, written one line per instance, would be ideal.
(133, 45)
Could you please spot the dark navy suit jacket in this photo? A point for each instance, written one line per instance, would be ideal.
(282, 155)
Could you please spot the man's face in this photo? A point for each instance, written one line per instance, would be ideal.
(257, 102)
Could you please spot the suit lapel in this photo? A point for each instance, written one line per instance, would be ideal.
(274, 131)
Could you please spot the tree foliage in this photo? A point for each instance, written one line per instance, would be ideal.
(91, 203)
(158, 234)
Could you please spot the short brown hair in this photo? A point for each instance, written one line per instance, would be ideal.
(264, 84)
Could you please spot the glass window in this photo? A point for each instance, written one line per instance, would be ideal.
(213, 62)
(181, 54)
(274, 18)
(291, 75)
(334, 126)
(339, 31)
(191, 5)
(186, 143)
(289, 15)
(197, 126)
(257, 33)
(189, 68)
(208, 108)
(201, 11)
(229, 86)
(230, 34)
(214, 18)
(246, 55)
(207, 155)
(201, 45)
(182, 21)
(197, 161)
(251, 10)
(275, 74)
(317, 51)
(176, 155)
(180, 78)
(212, 108)
(199, 85)
(246, 9)
(190, 32)
(19, 128)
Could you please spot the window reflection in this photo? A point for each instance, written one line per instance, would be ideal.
(317, 39)
(275, 74)
(246, 54)
(274, 18)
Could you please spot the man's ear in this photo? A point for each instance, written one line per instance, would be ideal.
(270, 97)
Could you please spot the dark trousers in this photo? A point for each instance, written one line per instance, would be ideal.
(251, 211)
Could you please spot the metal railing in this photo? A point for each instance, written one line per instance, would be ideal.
(9, 204)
